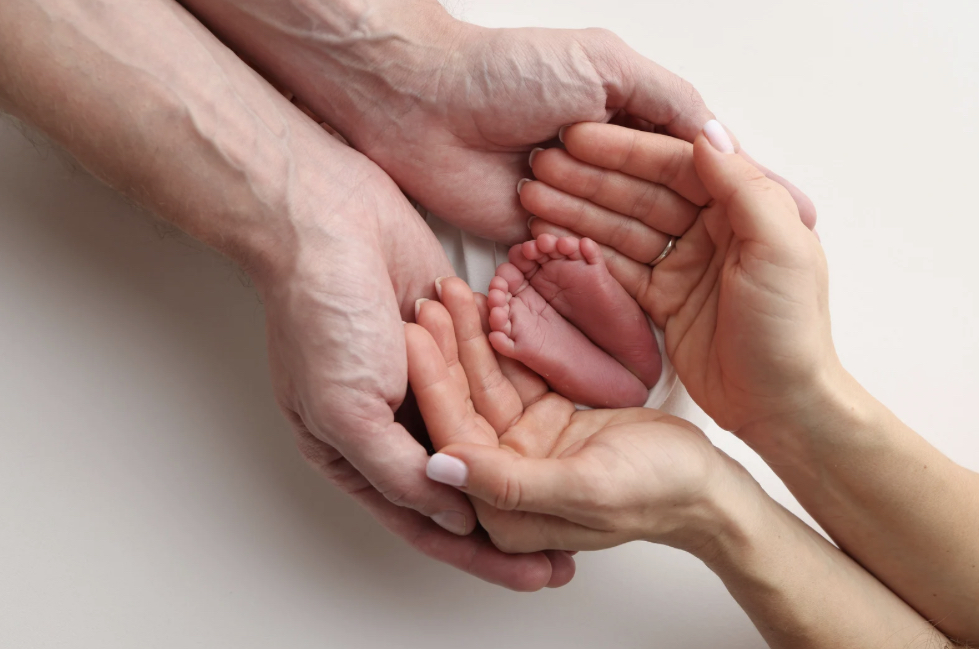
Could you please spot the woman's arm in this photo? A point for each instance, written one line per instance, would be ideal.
(801, 592)
(890, 499)
(744, 302)
(544, 475)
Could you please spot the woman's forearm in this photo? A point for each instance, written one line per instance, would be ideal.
(801, 592)
(148, 100)
(889, 499)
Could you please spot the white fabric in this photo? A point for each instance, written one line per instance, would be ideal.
(475, 260)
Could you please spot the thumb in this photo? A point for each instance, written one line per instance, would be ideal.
(758, 208)
(505, 480)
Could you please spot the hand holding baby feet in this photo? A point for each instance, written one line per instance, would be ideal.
(742, 297)
(556, 308)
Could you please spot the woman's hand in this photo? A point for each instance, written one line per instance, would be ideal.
(743, 297)
(544, 475)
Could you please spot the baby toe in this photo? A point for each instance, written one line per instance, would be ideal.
(499, 319)
(515, 280)
(591, 252)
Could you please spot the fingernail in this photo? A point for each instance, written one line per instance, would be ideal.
(418, 305)
(531, 220)
(447, 470)
(533, 154)
(718, 137)
(523, 181)
(454, 522)
(560, 134)
(438, 286)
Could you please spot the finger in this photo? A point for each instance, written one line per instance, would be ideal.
(510, 482)
(646, 90)
(562, 567)
(647, 198)
(652, 157)
(758, 208)
(474, 554)
(530, 387)
(523, 532)
(480, 300)
(442, 400)
(807, 211)
(630, 236)
(493, 396)
(437, 321)
(388, 458)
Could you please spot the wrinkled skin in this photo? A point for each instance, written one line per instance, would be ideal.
(337, 353)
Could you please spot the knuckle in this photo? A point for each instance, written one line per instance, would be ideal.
(507, 538)
(620, 234)
(604, 36)
(508, 497)
(403, 492)
(674, 165)
(646, 202)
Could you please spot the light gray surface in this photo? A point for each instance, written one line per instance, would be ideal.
(149, 490)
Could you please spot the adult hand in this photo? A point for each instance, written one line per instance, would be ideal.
(448, 109)
(743, 297)
(543, 474)
(155, 105)
(335, 302)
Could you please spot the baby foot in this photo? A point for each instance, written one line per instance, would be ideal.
(552, 281)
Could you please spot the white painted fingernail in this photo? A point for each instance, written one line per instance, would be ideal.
(560, 133)
(447, 470)
(438, 286)
(533, 154)
(418, 306)
(718, 137)
(523, 181)
(454, 522)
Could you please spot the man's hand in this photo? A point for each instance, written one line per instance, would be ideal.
(451, 110)
(335, 306)
(145, 97)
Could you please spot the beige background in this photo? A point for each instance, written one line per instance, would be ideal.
(150, 495)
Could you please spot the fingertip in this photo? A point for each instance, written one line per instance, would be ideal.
(563, 568)
(718, 136)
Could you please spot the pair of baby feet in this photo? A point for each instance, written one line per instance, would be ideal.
(556, 308)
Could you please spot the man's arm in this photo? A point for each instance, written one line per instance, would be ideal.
(150, 101)
(448, 109)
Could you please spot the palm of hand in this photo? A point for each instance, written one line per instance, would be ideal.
(625, 474)
(737, 331)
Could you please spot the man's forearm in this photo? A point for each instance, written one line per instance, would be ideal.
(144, 97)
(803, 593)
(889, 499)
(346, 59)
